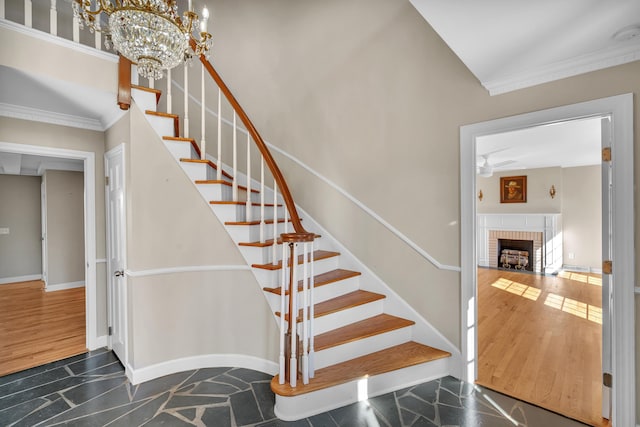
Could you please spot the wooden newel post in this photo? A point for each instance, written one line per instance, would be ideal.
(124, 83)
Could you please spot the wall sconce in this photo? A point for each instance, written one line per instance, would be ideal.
(480, 195)
(552, 192)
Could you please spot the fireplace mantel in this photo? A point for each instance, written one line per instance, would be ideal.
(545, 228)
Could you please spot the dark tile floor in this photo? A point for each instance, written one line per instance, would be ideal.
(92, 390)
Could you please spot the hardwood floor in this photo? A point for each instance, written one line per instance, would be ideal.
(38, 327)
(539, 340)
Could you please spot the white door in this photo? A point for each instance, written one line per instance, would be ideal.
(607, 246)
(116, 245)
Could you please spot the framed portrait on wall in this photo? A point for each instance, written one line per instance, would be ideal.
(513, 189)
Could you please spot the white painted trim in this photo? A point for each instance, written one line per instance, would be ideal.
(620, 108)
(342, 191)
(91, 279)
(101, 341)
(101, 260)
(137, 376)
(605, 58)
(35, 114)
(185, 269)
(16, 279)
(62, 286)
(637, 290)
(87, 50)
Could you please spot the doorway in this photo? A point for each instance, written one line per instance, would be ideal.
(92, 340)
(620, 109)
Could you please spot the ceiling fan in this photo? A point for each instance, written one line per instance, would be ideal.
(486, 169)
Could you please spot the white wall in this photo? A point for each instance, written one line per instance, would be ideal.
(21, 249)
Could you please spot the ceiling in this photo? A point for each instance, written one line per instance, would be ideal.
(510, 44)
(565, 144)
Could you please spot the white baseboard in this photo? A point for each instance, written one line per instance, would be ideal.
(20, 279)
(140, 375)
(581, 269)
(61, 286)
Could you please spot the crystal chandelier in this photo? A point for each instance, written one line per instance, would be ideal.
(150, 33)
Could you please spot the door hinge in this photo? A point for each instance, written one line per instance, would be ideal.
(106, 181)
(110, 331)
(606, 154)
(607, 379)
(607, 267)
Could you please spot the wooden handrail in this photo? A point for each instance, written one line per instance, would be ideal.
(266, 154)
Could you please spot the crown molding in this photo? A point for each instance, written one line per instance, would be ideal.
(37, 115)
(559, 70)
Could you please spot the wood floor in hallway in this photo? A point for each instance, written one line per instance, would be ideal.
(38, 327)
(540, 339)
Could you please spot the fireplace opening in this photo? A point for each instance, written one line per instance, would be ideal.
(515, 254)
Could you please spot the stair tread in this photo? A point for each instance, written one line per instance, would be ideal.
(256, 222)
(317, 256)
(401, 356)
(231, 202)
(266, 243)
(322, 279)
(181, 139)
(227, 183)
(343, 302)
(161, 114)
(363, 329)
(207, 162)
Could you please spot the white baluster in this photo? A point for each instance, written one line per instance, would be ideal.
(76, 29)
(97, 37)
(283, 331)
(261, 200)
(305, 320)
(28, 14)
(219, 177)
(53, 19)
(185, 132)
(203, 143)
(293, 294)
(152, 83)
(249, 215)
(311, 313)
(275, 225)
(286, 219)
(1, 9)
(234, 184)
(169, 99)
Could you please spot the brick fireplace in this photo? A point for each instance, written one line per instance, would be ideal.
(535, 237)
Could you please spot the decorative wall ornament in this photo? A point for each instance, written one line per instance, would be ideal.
(480, 195)
(552, 191)
(513, 189)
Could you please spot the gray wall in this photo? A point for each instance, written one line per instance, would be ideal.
(65, 227)
(21, 249)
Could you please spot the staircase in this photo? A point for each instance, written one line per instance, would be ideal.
(361, 349)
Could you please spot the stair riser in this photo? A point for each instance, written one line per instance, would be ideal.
(145, 100)
(164, 126)
(344, 317)
(237, 213)
(268, 278)
(181, 150)
(361, 347)
(198, 171)
(307, 405)
(251, 233)
(222, 192)
(321, 293)
(258, 255)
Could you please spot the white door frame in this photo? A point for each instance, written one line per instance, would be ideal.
(43, 231)
(92, 340)
(620, 108)
(120, 149)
